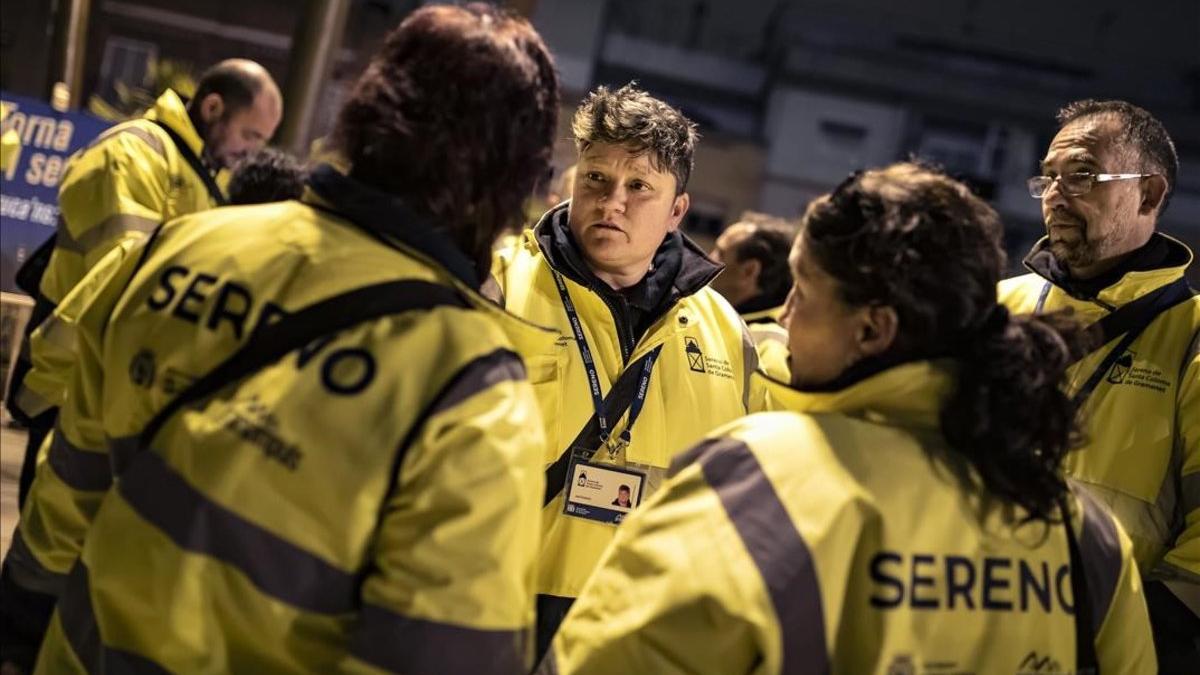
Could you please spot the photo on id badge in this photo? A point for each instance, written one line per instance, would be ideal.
(602, 492)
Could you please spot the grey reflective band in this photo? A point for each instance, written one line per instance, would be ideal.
(778, 550)
(27, 572)
(194, 522)
(479, 375)
(404, 644)
(134, 129)
(83, 634)
(79, 469)
(1100, 550)
(103, 232)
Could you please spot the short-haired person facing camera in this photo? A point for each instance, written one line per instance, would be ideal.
(324, 452)
(1106, 178)
(135, 176)
(650, 357)
(756, 280)
(903, 504)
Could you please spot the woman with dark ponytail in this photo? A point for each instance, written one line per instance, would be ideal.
(903, 510)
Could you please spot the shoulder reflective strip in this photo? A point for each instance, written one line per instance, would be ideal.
(404, 644)
(1100, 549)
(480, 374)
(57, 332)
(104, 231)
(83, 634)
(78, 468)
(276, 566)
(147, 136)
(549, 664)
(1189, 492)
(27, 572)
(779, 552)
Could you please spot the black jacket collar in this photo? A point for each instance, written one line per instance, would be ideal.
(1157, 253)
(383, 214)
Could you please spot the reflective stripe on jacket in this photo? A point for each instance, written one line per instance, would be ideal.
(699, 381)
(367, 503)
(1141, 452)
(824, 538)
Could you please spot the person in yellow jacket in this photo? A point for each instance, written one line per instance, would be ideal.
(649, 357)
(900, 510)
(755, 281)
(135, 176)
(323, 452)
(1106, 178)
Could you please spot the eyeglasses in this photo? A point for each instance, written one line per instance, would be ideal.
(1075, 184)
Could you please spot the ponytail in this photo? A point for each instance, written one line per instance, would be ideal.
(1009, 416)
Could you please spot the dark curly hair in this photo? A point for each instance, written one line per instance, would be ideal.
(633, 118)
(456, 114)
(911, 238)
(269, 175)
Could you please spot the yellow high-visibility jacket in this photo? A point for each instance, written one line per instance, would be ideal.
(1141, 454)
(699, 381)
(771, 341)
(367, 503)
(825, 538)
(122, 186)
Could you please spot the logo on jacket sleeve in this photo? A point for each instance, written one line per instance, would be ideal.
(142, 368)
(695, 357)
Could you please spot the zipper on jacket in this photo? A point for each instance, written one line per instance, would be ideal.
(624, 331)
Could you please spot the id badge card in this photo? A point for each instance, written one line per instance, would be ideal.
(604, 493)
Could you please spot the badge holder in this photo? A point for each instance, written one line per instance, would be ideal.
(602, 493)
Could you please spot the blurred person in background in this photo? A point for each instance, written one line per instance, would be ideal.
(268, 175)
(322, 450)
(903, 505)
(756, 280)
(1106, 178)
(132, 178)
(641, 331)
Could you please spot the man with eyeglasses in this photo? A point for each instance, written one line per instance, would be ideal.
(1106, 178)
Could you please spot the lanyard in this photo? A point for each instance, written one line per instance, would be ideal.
(593, 377)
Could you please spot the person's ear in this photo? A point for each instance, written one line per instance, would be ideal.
(1154, 191)
(750, 271)
(678, 211)
(877, 329)
(211, 108)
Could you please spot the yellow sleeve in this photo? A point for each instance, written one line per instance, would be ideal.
(452, 585)
(70, 484)
(115, 190)
(675, 593)
(1124, 643)
(52, 345)
(1181, 564)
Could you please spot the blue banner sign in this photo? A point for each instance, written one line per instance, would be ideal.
(29, 188)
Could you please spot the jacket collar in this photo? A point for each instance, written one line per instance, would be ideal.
(386, 215)
(680, 266)
(1161, 261)
(171, 111)
(909, 395)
